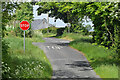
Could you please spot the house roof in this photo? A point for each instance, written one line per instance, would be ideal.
(40, 24)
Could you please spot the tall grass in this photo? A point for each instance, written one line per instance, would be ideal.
(31, 64)
(37, 37)
(99, 57)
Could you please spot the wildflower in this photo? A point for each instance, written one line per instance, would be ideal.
(2, 62)
(34, 68)
(39, 65)
(32, 62)
(8, 68)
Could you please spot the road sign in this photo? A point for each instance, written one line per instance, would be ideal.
(24, 25)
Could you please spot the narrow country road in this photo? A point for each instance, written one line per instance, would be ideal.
(66, 62)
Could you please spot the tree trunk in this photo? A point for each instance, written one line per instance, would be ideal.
(109, 32)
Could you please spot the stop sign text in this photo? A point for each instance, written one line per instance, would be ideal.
(24, 25)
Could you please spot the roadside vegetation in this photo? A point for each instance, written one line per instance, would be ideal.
(15, 63)
(31, 64)
(102, 49)
(101, 58)
(104, 16)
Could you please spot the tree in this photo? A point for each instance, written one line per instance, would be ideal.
(7, 9)
(106, 24)
(88, 27)
(24, 12)
(104, 15)
(62, 10)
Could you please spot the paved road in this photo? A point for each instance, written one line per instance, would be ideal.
(66, 62)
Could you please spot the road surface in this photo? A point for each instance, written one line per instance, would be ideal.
(67, 63)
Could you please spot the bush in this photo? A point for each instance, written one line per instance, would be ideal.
(60, 31)
(20, 33)
(50, 30)
(31, 64)
(44, 30)
(4, 47)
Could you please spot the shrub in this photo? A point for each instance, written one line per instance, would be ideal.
(20, 33)
(4, 47)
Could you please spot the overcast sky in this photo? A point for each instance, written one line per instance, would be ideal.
(58, 23)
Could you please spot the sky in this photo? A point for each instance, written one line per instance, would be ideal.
(58, 23)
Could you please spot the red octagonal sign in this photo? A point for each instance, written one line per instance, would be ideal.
(24, 25)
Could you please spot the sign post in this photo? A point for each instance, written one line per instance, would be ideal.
(24, 25)
(24, 41)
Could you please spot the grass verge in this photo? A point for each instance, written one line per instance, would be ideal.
(99, 57)
(31, 64)
(49, 35)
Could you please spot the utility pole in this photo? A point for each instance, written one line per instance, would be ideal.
(68, 22)
(68, 25)
(48, 22)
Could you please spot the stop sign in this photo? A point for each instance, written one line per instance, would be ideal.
(24, 25)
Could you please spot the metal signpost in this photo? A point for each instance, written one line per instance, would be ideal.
(24, 25)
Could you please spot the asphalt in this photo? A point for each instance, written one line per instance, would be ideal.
(67, 63)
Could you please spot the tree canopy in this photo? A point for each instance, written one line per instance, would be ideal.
(104, 15)
(24, 12)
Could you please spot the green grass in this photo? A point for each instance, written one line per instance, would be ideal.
(107, 71)
(49, 35)
(99, 57)
(31, 64)
(36, 39)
